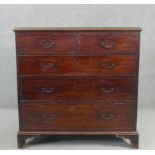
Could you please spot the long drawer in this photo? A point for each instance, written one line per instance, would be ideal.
(48, 116)
(108, 65)
(58, 88)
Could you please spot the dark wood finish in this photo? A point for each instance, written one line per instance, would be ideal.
(109, 42)
(61, 43)
(109, 65)
(77, 81)
(40, 43)
(105, 89)
(47, 116)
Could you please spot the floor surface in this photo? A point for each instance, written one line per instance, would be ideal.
(9, 128)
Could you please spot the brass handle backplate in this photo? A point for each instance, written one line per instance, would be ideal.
(106, 116)
(47, 44)
(107, 91)
(107, 65)
(107, 44)
(47, 90)
(49, 117)
(47, 66)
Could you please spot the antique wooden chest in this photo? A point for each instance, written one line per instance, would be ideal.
(77, 81)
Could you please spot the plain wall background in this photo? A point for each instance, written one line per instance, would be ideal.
(76, 16)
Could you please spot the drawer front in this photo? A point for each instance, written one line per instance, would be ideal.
(110, 65)
(42, 115)
(106, 89)
(45, 43)
(109, 42)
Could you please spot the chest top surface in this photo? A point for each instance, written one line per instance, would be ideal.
(78, 29)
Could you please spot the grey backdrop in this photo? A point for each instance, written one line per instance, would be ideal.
(76, 16)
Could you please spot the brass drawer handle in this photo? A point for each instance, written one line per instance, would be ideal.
(107, 65)
(47, 66)
(107, 44)
(47, 90)
(47, 44)
(49, 117)
(106, 116)
(107, 91)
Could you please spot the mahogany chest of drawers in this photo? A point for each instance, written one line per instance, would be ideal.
(77, 81)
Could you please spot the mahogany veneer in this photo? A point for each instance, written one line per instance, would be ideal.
(77, 81)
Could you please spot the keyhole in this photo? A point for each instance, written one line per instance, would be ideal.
(77, 59)
(77, 107)
(77, 82)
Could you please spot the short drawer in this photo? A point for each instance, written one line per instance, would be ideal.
(109, 65)
(45, 43)
(107, 42)
(105, 89)
(48, 116)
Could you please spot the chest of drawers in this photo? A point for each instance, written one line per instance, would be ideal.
(77, 81)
